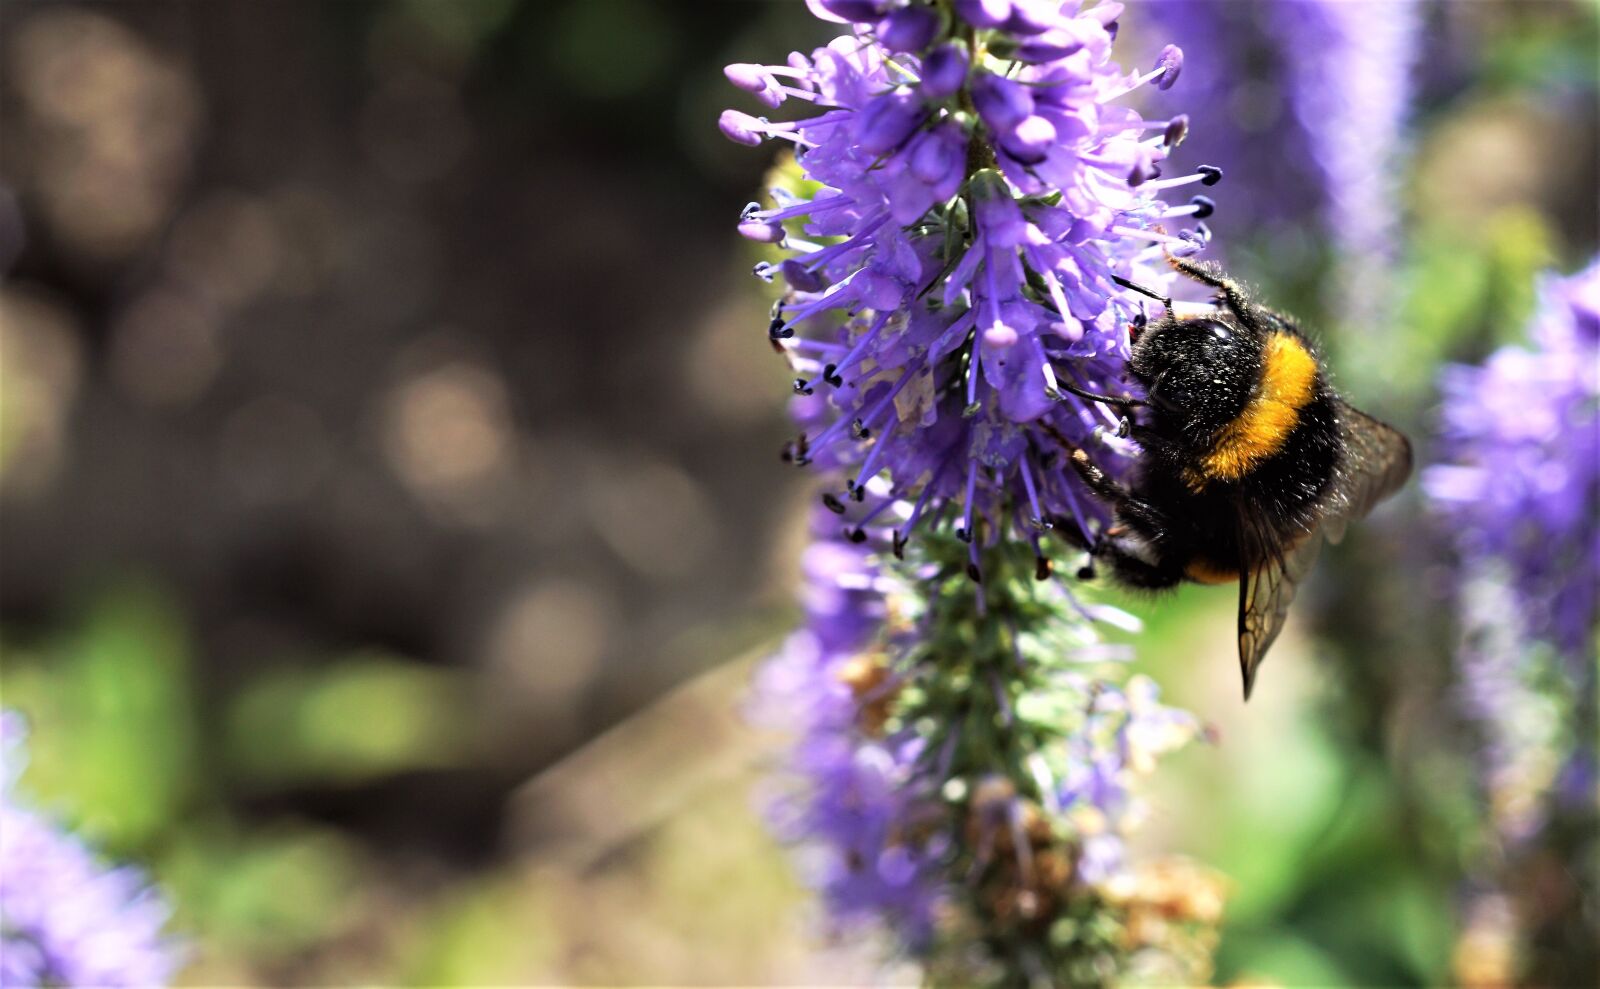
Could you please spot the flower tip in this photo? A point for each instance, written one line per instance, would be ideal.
(1106, 13)
(984, 13)
(909, 29)
(740, 128)
(747, 76)
(846, 11)
(944, 71)
(762, 231)
(1170, 62)
(1000, 335)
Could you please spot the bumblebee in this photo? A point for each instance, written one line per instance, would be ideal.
(1250, 459)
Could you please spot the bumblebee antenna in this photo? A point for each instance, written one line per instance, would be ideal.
(1206, 275)
(1165, 301)
(1114, 400)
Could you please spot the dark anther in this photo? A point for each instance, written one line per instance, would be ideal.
(857, 535)
(1086, 572)
(1211, 174)
(763, 271)
(899, 545)
(749, 208)
(834, 504)
(974, 573)
(1041, 568)
(1203, 232)
(787, 454)
(860, 492)
(1176, 131)
(803, 387)
(777, 330)
(1124, 427)
(859, 429)
(962, 534)
(1205, 207)
(830, 374)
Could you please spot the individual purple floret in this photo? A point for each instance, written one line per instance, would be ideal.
(65, 918)
(977, 198)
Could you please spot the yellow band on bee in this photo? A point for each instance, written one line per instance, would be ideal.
(1288, 375)
(1203, 571)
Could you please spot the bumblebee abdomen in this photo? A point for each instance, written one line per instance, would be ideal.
(1290, 382)
(1204, 571)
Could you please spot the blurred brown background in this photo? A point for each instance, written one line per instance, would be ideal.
(401, 348)
(414, 326)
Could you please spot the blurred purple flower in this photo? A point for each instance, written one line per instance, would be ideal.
(955, 262)
(1518, 489)
(853, 792)
(1305, 102)
(66, 919)
(1519, 478)
(1350, 65)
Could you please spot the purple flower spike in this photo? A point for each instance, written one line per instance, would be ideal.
(1522, 482)
(960, 242)
(1518, 491)
(898, 284)
(909, 29)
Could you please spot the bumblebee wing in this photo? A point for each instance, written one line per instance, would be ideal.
(1266, 591)
(1377, 461)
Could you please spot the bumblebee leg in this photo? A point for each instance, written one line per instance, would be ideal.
(1129, 568)
(1097, 480)
(1148, 517)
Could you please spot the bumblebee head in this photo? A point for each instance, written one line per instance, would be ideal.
(1199, 372)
